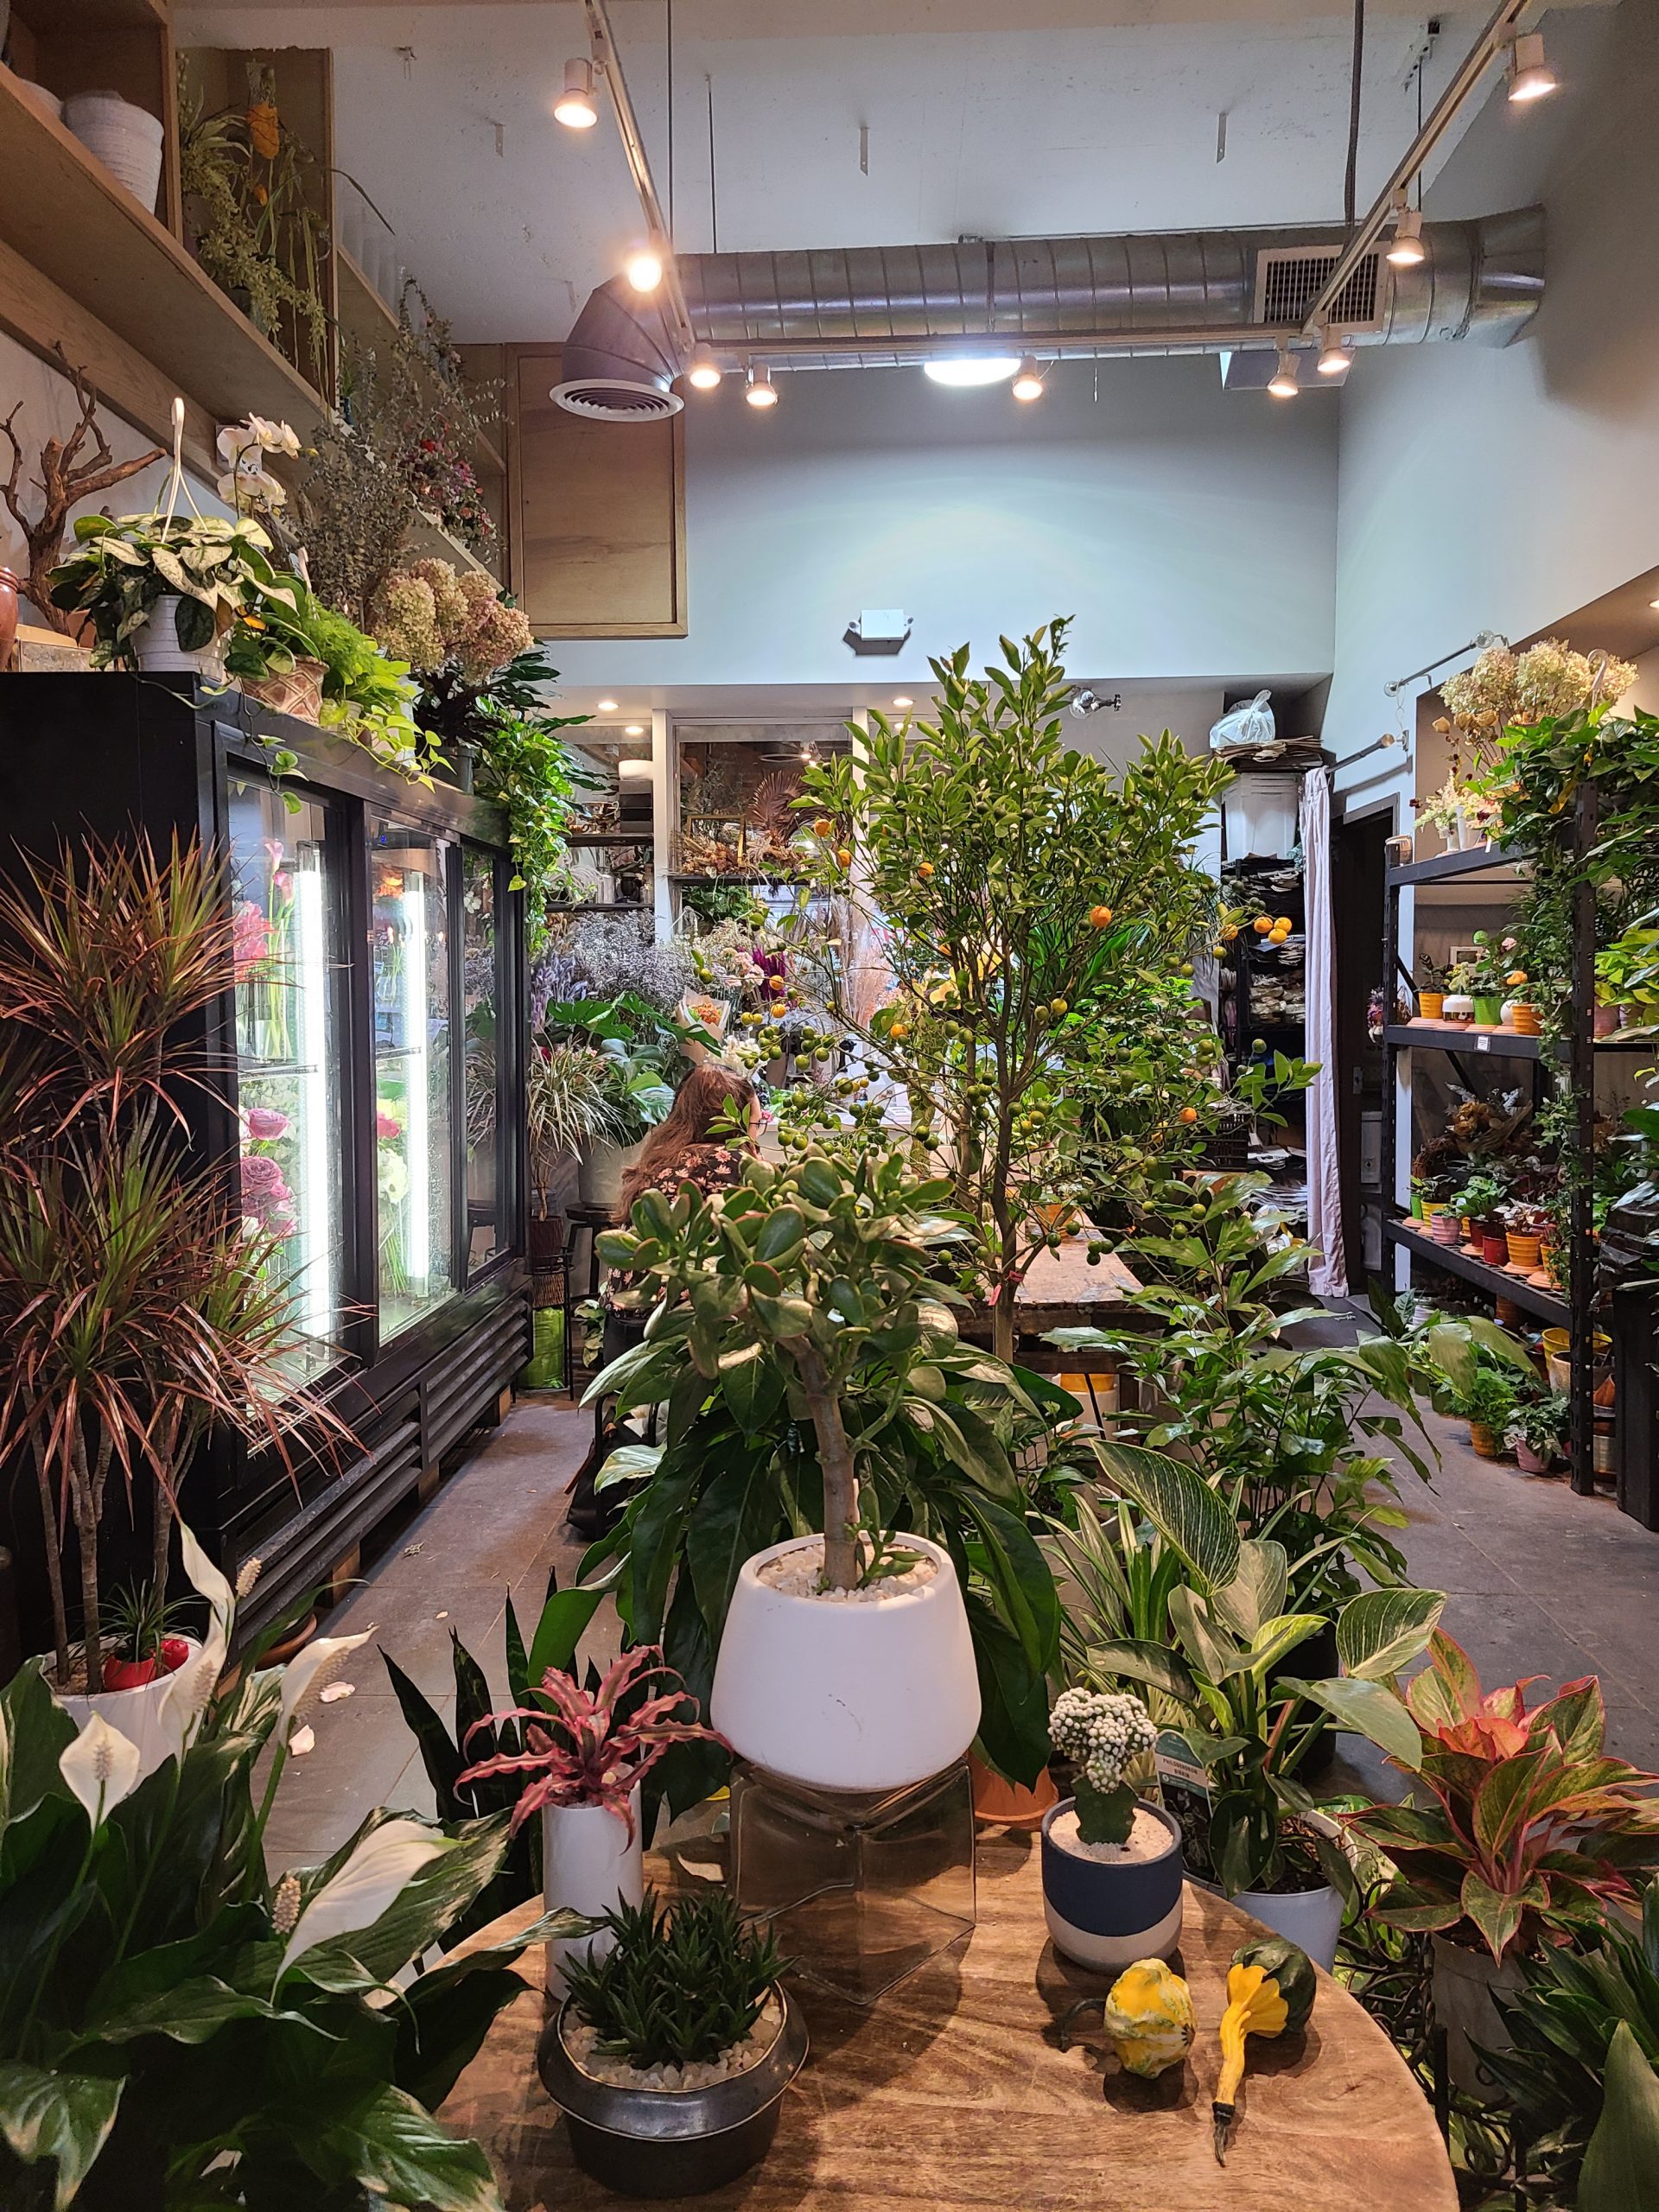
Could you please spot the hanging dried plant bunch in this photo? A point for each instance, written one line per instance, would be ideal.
(1546, 680)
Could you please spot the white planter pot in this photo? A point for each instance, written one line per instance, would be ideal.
(1464, 1984)
(125, 138)
(599, 1172)
(39, 98)
(1309, 1917)
(842, 1695)
(156, 643)
(590, 1864)
(137, 1715)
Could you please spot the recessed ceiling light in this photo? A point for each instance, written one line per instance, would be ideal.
(902, 701)
(634, 729)
(963, 370)
(1654, 603)
(702, 370)
(575, 105)
(1286, 380)
(606, 706)
(760, 392)
(643, 264)
(1028, 381)
(1530, 75)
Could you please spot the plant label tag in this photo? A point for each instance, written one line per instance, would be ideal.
(1483, 1043)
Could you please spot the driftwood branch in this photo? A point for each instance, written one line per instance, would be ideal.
(65, 479)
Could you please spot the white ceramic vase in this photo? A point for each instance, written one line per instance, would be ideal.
(1312, 1918)
(126, 139)
(137, 1715)
(843, 1695)
(600, 1169)
(156, 643)
(591, 1862)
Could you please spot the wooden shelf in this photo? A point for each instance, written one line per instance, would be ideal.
(1459, 1037)
(1482, 858)
(90, 236)
(1546, 1305)
(592, 837)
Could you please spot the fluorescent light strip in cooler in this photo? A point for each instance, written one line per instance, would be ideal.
(416, 1105)
(315, 1133)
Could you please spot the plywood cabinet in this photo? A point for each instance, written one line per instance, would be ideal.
(597, 513)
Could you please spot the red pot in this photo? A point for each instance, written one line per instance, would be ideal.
(129, 1674)
(1494, 1250)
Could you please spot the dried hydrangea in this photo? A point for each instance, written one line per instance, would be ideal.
(1546, 680)
(405, 619)
(428, 616)
(1104, 1733)
(612, 953)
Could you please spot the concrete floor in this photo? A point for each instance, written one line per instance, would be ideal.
(1539, 1582)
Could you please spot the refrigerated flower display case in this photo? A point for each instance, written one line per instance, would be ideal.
(363, 1063)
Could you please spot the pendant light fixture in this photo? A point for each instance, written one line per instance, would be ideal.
(1336, 355)
(1531, 77)
(1029, 379)
(575, 106)
(1286, 380)
(1409, 248)
(760, 392)
(703, 370)
(643, 264)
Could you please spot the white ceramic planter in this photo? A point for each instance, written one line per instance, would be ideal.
(600, 1169)
(847, 1696)
(135, 1713)
(125, 138)
(1312, 1918)
(1464, 1984)
(590, 1864)
(39, 98)
(156, 643)
(1108, 1916)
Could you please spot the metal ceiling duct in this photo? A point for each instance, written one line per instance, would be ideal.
(1171, 292)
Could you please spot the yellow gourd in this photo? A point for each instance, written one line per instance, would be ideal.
(1149, 2019)
(1255, 2007)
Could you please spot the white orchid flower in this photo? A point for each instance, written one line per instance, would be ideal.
(308, 1671)
(102, 1767)
(377, 1870)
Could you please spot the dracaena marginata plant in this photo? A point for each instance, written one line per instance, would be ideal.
(814, 1380)
(1246, 1721)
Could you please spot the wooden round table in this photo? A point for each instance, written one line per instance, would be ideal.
(953, 2091)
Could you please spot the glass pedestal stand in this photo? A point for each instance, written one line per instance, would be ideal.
(859, 1888)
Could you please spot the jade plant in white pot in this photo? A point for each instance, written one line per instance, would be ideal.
(807, 1292)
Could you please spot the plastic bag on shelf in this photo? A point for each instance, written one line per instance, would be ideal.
(1249, 723)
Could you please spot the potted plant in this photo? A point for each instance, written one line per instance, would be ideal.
(1487, 1402)
(584, 1754)
(806, 1296)
(1480, 1203)
(1524, 1229)
(1112, 1869)
(569, 1107)
(1431, 990)
(163, 589)
(1538, 1430)
(671, 2053)
(1249, 1723)
(1627, 977)
(1483, 975)
(1531, 1834)
(638, 1096)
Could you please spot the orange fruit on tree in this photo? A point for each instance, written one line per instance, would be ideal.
(1283, 922)
(1100, 918)
(1261, 926)
(1189, 1113)
(822, 827)
(844, 855)
(924, 869)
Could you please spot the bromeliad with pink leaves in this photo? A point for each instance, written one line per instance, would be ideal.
(594, 1747)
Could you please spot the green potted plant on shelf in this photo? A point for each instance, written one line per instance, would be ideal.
(1537, 1430)
(821, 1396)
(1627, 976)
(1483, 975)
(1431, 988)
(672, 2054)
(163, 589)
(1487, 1401)
(1525, 1833)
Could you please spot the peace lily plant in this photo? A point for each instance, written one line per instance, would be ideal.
(174, 2028)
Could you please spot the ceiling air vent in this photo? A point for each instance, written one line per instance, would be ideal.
(609, 399)
(1288, 279)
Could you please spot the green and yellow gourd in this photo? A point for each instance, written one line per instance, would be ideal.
(1149, 2019)
(1270, 1988)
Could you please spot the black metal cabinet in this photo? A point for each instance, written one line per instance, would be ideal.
(367, 1078)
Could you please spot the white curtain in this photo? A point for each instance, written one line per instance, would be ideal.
(1327, 1272)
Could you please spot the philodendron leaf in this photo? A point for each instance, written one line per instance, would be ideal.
(64, 2117)
(1621, 2166)
(1155, 1664)
(1368, 1709)
(400, 2155)
(1189, 1516)
(1379, 1631)
(1256, 1591)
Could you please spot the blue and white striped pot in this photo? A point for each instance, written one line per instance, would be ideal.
(1109, 1916)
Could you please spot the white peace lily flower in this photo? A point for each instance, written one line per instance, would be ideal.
(303, 1742)
(206, 1579)
(377, 1871)
(191, 1690)
(308, 1671)
(101, 1766)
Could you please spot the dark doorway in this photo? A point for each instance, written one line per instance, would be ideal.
(1360, 857)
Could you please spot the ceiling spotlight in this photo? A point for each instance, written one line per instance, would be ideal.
(963, 370)
(634, 729)
(760, 392)
(1407, 249)
(1530, 75)
(643, 266)
(1028, 382)
(1336, 355)
(575, 105)
(901, 701)
(606, 706)
(702, 370)
(1287, 379)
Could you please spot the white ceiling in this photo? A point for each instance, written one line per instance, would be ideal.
(1096, 117)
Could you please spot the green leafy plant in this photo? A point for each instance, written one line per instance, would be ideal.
(1482, 1197)
(1488, 1400)
(177, 2029)
(680, 1983)
(1020, 883)
(1534, 1830)
(815, 1382)
(568, 1100)
(1627, 971)
(1249, 1723)
(139, 1620)
(1623, 2158)
(1541, 1423)
(218, 571)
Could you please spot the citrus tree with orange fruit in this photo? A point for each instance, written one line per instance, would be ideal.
(1021, 885)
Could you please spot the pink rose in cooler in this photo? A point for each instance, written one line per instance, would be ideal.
(266, 1124)
(250, 936)
(387, 1125)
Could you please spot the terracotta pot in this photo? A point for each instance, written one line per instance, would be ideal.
(1431, 1005)
(1002, 1804)
(290, 1646)
(10, 585)
(1485, 1443)
(1607, 1020)
(1494, 1248)
(1524, 1019)
(299, 693)
(1525, 1252)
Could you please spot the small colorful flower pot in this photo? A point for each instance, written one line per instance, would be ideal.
(1524, 1251)
(1431, 1005)
(1494, 1248)
(1107, 1914)
(1445, 1228)
(1488, 1010)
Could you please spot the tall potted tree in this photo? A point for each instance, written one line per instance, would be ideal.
(134, 1312)
(1022, 886)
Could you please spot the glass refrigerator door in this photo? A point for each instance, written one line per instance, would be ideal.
(409, 872)
(290, 1052)
(488, 1233)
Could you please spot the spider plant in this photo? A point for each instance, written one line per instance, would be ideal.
(134, 1313)
(568, 1100)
